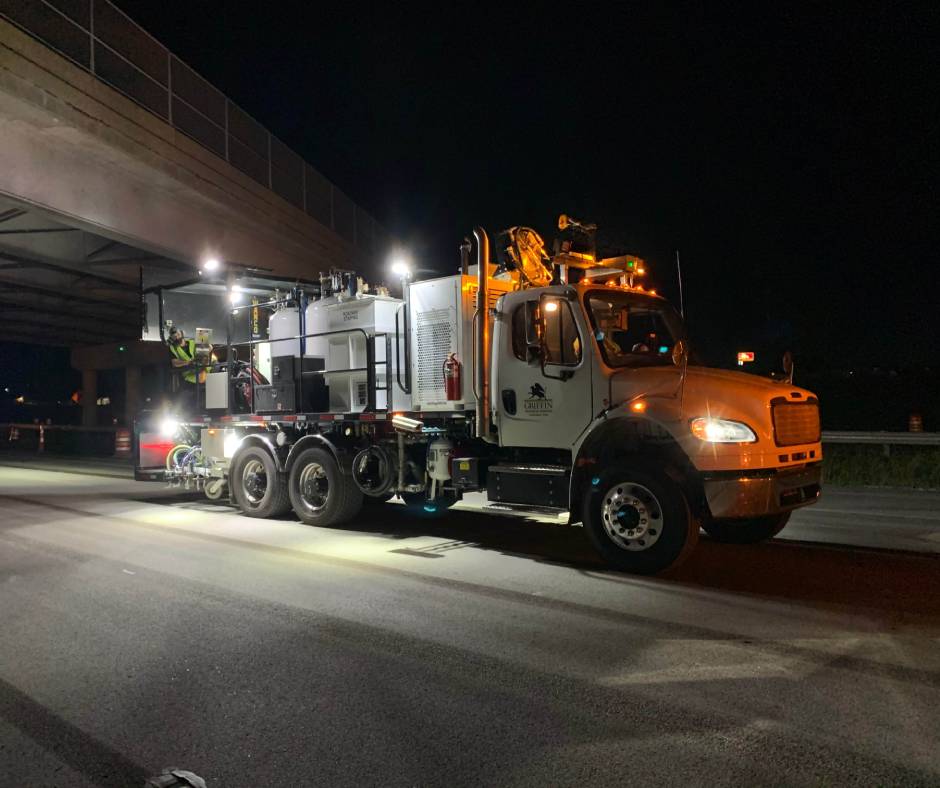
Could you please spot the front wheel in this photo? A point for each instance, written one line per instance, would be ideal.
(747, 531)
(638, 520)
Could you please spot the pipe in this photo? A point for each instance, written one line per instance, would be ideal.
(404, 424)
(465, 257)
(401, 462)
(481, 336)
(406, 327)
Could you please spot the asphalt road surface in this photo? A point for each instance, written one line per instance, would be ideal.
(144, 629)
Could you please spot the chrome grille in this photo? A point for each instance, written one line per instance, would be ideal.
(795, 423)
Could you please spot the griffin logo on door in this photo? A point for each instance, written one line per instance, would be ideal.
(537, 403)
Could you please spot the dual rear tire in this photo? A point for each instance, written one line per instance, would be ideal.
(258, 487)
(315, 488)
(320, 493)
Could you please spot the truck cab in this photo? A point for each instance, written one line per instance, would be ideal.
(600, 372)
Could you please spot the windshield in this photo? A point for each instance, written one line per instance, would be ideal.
(633, 329)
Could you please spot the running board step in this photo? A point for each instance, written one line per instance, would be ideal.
(523, 508)
(533, 485)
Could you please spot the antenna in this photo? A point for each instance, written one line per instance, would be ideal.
(679, 273)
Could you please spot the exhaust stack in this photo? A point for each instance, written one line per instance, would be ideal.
(481, 337)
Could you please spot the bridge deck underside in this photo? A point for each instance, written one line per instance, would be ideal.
(62, 285)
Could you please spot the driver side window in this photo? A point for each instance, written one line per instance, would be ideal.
(562, 344)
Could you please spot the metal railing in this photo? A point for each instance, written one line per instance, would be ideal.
(103, 40)
(884, 439)
(372, 387)
(63, 438)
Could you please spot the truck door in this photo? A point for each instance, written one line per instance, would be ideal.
(541, 387)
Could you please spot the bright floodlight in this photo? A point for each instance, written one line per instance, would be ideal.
(211, 264)
(168, 427)
(401, 268)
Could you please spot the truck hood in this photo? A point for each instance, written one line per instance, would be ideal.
(719, 382)
(714, 393)
(704, 386)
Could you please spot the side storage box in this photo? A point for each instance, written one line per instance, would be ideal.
(533, 485)
(274, 398)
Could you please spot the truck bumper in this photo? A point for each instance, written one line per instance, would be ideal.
(756, 494)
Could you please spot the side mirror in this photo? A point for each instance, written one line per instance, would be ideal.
(680, 353)
(788, 366)
(533, 332)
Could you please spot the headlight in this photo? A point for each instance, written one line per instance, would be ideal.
(722, 431)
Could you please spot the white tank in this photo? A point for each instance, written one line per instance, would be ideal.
(347, 350)
(318, 320)
(439, 456)
(282, 325)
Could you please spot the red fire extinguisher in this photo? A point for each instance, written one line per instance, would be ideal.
(452, 378)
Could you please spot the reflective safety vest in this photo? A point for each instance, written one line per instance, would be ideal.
(186, 352)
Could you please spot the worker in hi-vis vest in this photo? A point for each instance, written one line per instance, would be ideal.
(183, 352)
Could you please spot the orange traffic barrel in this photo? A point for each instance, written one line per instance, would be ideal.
(122, 443)
(915, 423)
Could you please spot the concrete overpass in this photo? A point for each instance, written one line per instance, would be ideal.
(119, 163)
(122, 156)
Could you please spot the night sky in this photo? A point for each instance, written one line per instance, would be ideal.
(791, 157)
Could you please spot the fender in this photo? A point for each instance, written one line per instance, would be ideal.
(617, 420)
(315, 440)
(263, 440)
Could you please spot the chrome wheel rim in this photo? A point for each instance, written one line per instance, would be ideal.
(632, 516)
(314, 487)
(254, 481)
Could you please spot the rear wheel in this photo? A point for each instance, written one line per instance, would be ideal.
(258, 487)
(637, 518)
(747, 531)
(319, 492)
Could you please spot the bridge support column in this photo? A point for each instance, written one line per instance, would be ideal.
(89, 398)
(131, 394)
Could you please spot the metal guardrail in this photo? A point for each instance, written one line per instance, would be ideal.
(70, 438)
(11, 434)
(882, 438)
(103, 40)
(5, 427)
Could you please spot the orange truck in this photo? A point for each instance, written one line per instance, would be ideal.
(548, 383)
